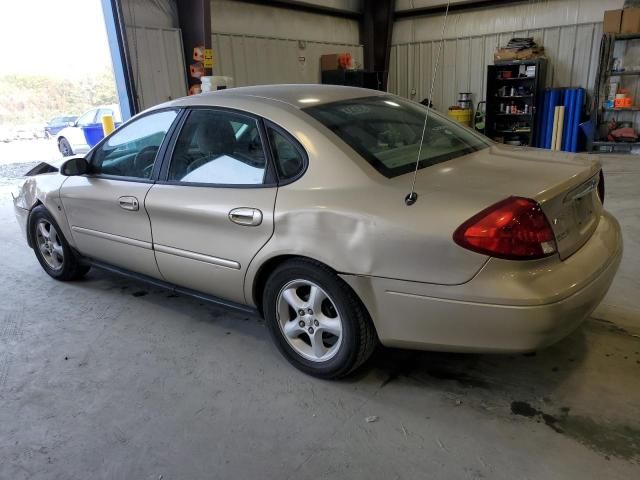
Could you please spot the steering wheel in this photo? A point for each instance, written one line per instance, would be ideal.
(146, 171)
(143, 161)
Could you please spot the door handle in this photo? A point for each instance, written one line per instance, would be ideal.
(129, 203)
(250, 217)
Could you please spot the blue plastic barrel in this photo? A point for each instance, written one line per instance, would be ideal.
(93, 133)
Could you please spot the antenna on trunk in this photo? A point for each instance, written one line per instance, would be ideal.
(412, 196)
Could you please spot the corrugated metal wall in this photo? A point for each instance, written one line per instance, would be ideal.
(572, 51)
(241, 18)
(529, 15)
(256, 60)
(158, 64)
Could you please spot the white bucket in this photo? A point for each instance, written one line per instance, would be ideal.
(216, 82)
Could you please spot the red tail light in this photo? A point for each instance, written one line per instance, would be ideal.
(515, 228)
(601, 187)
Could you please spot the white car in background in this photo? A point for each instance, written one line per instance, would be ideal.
(71, 140)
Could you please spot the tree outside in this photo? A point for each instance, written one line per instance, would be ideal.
(27, 99)
(55, 63)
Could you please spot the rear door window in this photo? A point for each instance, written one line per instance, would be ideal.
(287, 155)
(219, 148)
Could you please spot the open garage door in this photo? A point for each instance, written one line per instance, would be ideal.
(157, 61)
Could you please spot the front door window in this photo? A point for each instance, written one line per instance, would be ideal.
(131, 151)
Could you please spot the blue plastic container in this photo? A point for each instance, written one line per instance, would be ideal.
(543, 119)
(539, 127)
(587, 129)
(93, 133)
(568, 118)
(577, 113)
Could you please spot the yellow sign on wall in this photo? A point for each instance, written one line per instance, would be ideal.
(208, 58)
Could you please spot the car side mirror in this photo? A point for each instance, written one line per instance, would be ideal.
(74, 166)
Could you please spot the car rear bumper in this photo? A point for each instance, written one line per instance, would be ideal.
(507, 307)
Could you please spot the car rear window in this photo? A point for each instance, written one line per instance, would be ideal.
(386, 131)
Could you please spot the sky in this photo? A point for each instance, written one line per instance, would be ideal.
(63, 38)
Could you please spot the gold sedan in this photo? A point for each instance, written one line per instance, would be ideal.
(290, 201)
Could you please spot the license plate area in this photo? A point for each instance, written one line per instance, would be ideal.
(583, 210)
(574, 216)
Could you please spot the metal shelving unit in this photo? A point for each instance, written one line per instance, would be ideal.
(508, 126)
(600, 113)
(623, 73)
(614, 147)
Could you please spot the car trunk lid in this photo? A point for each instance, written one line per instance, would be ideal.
(565, 186)
(574, 215)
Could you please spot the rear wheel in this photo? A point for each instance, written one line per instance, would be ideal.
(316, 320)
(51, 248)
(65, 147)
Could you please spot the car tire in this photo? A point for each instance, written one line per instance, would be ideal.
(65, 147)
(331, 341)
(52, 250)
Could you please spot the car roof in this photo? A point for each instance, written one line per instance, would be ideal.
(296, 95)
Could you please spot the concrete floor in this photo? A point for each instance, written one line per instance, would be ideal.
(108, 378)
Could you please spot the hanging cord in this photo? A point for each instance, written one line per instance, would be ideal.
(411, 198)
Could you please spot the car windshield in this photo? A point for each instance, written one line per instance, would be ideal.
(386, 131)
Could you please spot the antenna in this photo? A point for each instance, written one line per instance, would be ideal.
(411, 197)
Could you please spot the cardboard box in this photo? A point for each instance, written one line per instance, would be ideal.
(335, 61)
(630, 20)
(612, 21)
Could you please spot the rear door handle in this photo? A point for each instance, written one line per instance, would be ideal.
(250, 217)
(129, 203)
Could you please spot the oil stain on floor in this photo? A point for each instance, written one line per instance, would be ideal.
(618, 440)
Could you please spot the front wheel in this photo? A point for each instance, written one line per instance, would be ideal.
(51, 248)
(316, 320)
(65, 147)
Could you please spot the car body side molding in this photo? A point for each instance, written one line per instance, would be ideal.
(220, 262)
(113, 238)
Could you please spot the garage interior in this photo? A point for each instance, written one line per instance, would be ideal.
(111, 378)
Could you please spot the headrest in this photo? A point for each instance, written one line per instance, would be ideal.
(215, 136)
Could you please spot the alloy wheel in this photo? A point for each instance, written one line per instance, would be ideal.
(65, 148)
(49, 245)
(309, 320)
